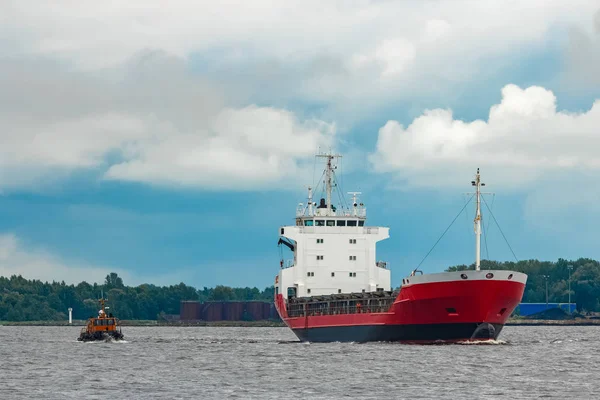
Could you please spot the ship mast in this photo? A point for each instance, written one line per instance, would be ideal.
(477, 222)
(329, 176)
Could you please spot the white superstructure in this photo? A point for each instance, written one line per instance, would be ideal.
(333, 250)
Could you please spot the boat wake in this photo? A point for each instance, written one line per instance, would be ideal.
(107, 340)
(490, 342)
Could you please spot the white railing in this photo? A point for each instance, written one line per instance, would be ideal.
(321, 212)
(367, 230)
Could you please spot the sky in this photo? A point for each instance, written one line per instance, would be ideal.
(168, 141)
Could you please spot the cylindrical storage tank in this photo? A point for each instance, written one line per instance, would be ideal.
(233, 311)
(253, 310)
(266, 310)
(189, 310)
(273, 314)
(213, 311)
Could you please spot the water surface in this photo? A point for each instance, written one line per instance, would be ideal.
(268, 363)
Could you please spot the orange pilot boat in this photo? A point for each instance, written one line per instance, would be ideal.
(103, 327)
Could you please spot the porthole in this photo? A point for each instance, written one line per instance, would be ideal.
(463, 276)
(489, 275)
(510, 276)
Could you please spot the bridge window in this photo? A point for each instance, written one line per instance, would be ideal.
(341, 222)
(330, 222)
(319, 257)
(351, 222)
(352, 241)
(352, 258)
(339, 290)
(310, 274)
(308, 291)
(308, 222)
(319, 240)
(352, 274)
(319, 222)
(291, 292)
(361, 223)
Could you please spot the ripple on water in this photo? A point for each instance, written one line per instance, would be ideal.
(270, 363)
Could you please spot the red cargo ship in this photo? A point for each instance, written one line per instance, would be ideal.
(334, 289)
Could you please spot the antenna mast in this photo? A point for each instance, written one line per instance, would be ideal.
(354, 203)
(477, 222)
(329, 176)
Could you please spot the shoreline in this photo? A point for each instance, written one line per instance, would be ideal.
(153, 323)
(553, 322)
(278, 324)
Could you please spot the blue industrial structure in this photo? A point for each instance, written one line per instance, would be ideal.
(534, 308)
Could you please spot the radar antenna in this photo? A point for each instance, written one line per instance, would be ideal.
(329, 176)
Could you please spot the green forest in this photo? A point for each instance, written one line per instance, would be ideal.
(33, 300)
(585, 280)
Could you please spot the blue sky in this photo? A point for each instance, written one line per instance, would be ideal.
(170, 143)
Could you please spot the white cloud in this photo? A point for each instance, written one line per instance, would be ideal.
(138, 125)
(393, 56)
(455, 36)
(243, 148)
(583, 56)
(524, 140)
(165, 93)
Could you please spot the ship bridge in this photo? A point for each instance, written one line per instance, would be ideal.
(333, 249)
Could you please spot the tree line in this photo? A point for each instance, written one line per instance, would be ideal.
(33, 300)
(585, 280)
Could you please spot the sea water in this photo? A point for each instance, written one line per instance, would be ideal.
(269, 363)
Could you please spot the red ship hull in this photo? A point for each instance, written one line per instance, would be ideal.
(450, 309)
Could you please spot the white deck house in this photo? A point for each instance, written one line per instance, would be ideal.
(333, 250)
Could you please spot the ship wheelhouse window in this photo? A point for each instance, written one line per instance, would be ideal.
(291, 292)
(330, 222)
(339, 290)
(308, 222)
(319, 222)
(351, 222)
(361, 223)
(341, 222)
